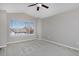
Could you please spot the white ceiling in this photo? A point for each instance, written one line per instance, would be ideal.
(54, 8)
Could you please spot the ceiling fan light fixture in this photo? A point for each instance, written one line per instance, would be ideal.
(39, 5)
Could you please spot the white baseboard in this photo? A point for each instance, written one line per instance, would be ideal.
(3, 46)
(63, 45)
(20, 41)
(16, 42)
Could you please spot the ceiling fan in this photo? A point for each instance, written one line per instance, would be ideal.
(39, 5)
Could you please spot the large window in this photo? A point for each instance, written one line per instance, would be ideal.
(21, 27)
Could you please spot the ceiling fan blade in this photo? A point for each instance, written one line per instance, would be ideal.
(45, 6)
(32, 5)
(37, 8)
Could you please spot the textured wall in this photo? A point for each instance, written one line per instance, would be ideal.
(3, 28)
(63, 28)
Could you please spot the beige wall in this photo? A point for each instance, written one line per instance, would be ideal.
(25, 17)
(63, 28)
(3, 28)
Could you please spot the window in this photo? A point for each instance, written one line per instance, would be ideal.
(21, 27)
